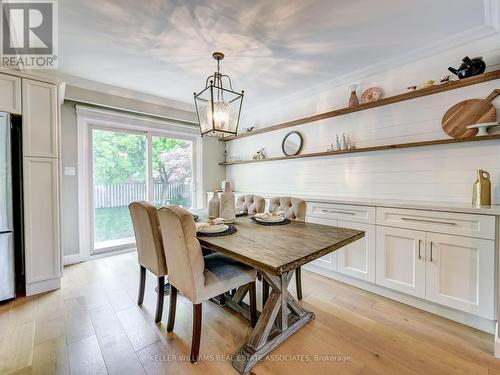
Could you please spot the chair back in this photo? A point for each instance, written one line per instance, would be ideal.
(293, 208)
(253, 204)
(148, 237)
(182, 250)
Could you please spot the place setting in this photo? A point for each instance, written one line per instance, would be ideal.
(215, 228)
(270, 218)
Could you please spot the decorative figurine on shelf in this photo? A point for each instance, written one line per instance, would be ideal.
(411, 88)
(353, 99)
(446, 78)
(225, 156)
(469, 67)
(259, 155)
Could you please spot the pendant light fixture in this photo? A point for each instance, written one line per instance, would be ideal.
(218, 107)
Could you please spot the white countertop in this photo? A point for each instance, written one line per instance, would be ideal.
(398, 203)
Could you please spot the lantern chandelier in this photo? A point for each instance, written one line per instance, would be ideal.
(218, 107)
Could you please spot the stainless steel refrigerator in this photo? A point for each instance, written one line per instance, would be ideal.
(7, 252)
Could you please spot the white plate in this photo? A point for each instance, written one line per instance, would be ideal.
(214, 228)
(271, 219)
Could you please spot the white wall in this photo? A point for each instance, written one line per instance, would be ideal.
(438, 173)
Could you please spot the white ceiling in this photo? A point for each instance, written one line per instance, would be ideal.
(273, 48)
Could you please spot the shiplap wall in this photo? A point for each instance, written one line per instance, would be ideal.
(438, 173)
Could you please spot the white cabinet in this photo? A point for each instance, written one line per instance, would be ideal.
(41, 220)
(328, 261)
(40, 119)
(358, 258)
(460, 273)
(401, 260)
(10, 94)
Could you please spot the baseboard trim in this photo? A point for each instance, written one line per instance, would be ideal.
(43, 286)
(458, 316)
(71, 259)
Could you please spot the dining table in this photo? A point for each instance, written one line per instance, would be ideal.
(275, 251)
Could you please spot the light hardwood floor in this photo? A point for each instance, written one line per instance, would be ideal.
(92, 325)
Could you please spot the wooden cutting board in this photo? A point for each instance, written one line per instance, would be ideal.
(469, 112)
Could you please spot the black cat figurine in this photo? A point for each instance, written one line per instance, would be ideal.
(469, 67)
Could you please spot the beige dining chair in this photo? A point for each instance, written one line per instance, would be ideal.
(149, 250)
(198, 278)
(293, 209)
(253, 204)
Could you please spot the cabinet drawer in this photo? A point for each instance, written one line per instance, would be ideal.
(480, 226)
(359, 214)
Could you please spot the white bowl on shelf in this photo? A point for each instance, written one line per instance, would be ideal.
(483, 128)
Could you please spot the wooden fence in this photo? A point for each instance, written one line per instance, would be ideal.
(120, 195)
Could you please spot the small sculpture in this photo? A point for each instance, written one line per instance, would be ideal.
(259, 155)
(469, 67)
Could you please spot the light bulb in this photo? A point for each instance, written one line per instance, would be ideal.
(220, 115)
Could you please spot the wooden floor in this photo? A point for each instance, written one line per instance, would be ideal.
(93, 326)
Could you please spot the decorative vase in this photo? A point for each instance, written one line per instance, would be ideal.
(214, 206)
(227, 204)
(481, 195)
(353, 99)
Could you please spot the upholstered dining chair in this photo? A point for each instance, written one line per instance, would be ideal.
(253, 204)
(293, 209)
(198, 278)
(149, 250)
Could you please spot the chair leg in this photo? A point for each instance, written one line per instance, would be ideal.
(195, 341)
(159, 299)
(265, 291)
(172, 308)
(142, 285)
(253, 304)
(298, 283)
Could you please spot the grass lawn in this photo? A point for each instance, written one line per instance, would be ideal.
(112, 224)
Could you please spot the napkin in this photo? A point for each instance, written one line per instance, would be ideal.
(216, 221)
(267, 214)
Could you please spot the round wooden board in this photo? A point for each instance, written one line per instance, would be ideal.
(465, 113)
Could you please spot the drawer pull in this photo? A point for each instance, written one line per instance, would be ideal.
(338, 212)
(428, 221)
(431, 251)
(419, 243)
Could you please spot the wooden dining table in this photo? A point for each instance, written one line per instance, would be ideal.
(275, 251)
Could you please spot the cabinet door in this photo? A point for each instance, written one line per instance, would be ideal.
(400, 260)
(40, 129)
(461, 273)
(358, 258)
(328, 261)
(41, 213)
(10, 94)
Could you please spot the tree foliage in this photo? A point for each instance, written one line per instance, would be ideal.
(120, 158)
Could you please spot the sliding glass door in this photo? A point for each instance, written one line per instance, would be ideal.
(130, 166)
(119, 177)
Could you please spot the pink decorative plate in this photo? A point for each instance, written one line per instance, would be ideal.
(372, 94)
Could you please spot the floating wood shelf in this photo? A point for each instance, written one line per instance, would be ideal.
(453, 85)
(374, 148)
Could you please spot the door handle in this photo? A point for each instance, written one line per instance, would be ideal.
(431, 250)
(419, 245)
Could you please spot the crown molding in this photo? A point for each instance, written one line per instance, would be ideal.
(492, 13)
(423, 52)
(105, 88)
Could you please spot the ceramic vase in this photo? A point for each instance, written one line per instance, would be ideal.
(214, 206)
(227, 204)
(353, 99)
